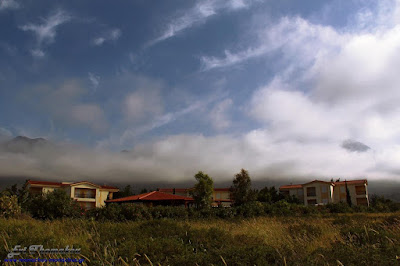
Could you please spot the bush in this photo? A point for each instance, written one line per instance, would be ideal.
(9, 206)
(53, 205)
(340, 207)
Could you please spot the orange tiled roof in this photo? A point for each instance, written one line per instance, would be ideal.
(176, 189)
(48, 183)
(222, 189)
(45, 183)
(352, 182)
(291, 186)
(188, 189)
(152, 196)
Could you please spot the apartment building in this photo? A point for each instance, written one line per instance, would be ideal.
(323, 192)
(87, 194)
(220, 197)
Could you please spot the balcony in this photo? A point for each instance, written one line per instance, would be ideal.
(311, 192)
(360, 190)
(84, 193)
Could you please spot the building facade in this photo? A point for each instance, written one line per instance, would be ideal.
(220, 197)
(323, 192)
(155, 198)
(87, 194)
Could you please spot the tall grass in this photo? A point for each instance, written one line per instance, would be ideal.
(351, 239)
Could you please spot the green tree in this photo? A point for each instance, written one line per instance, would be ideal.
(52, 205)
(203, 190)
(9, 206)
(241, 188)
(269, 195)
(126, 192)
(22, 194)
(348, 197)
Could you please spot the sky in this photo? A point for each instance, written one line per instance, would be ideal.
(285, 89)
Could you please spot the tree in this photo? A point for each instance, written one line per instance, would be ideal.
(269, 195)
(22, 194)
(348, 197)
(56, 204)
(9, 206)
(126, 192)
(203, 190)
(241, 188)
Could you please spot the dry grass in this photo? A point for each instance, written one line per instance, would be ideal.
(375, 238)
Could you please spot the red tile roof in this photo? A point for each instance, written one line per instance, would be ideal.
(318, 181)
(291, 186)
(47, 183)
(152, 196)
(352, 182)
(176, 189)
(188, 189)
(222, 189)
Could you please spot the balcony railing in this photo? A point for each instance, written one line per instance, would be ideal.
(85, 196)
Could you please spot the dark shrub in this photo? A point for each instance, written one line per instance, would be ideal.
(53, 205)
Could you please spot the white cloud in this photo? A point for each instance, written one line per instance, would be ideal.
(203, 10)
(64, 103)
(290, 34)
(9, 4)
(219, 115)
(144, 103)
(5, 134)
(46, 31)
(94, 79)
(111, 35)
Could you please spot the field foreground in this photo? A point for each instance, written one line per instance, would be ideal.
(352, 239)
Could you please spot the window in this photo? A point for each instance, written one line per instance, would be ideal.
(360, 190)
(324, 189)
(311, 192)
(300, 192)
(362, 201)
(312, 202)
(85, 193)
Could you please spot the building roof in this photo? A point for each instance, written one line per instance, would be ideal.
(318, 181)
(172, 189)
(152, 196)
(188, 189)
(222, 189)
(60, 184)
(352, 182)
(291, 186)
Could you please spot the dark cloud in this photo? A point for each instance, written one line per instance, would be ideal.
(354, 146)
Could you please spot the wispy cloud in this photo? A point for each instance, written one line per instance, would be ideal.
(64, 103)
(111, 35)
(9, 4)
(198, 14)
(45, 32)
(290, 33)
(94, 79)
(219, 115)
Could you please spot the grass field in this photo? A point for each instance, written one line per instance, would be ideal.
(347, 239)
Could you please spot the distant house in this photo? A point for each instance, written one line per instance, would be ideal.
(87, 194)
(155, 198)
(323, 192)
(221, 196)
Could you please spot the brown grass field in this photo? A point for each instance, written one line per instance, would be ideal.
(343, 239)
